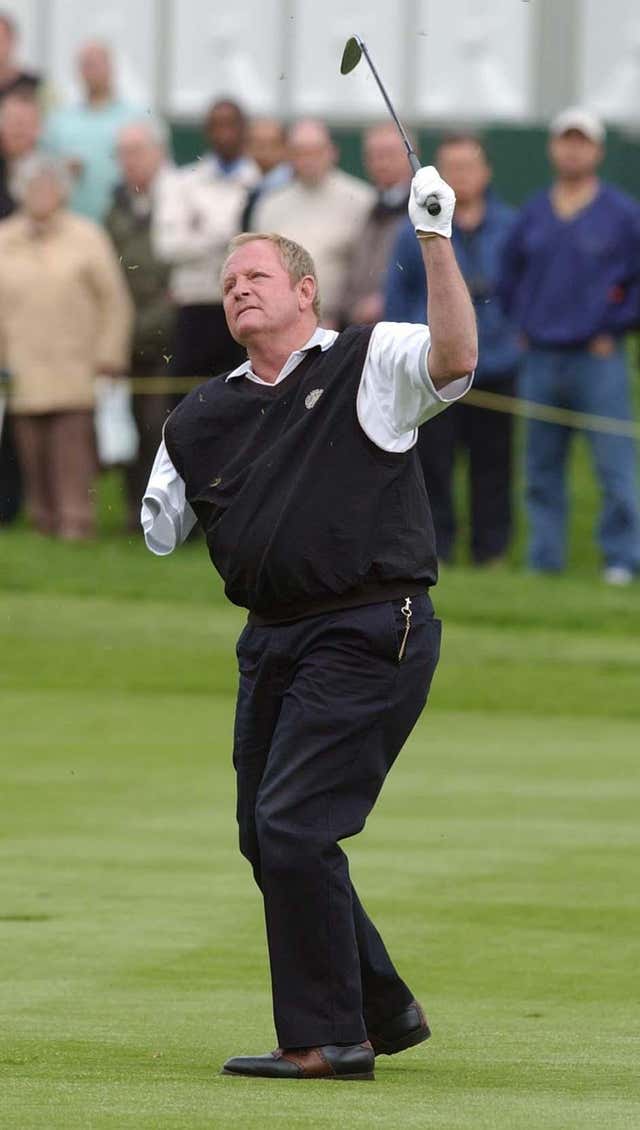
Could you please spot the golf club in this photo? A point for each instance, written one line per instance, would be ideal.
(354, 49)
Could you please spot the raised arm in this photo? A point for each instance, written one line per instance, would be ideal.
(450, 314)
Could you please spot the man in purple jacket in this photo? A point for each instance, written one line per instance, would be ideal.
(571, 282)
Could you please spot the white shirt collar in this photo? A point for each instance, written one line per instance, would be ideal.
(321, 337)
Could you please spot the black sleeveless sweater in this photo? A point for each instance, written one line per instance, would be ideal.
(301, 511)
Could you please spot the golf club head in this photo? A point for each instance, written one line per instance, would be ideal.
(351, 55)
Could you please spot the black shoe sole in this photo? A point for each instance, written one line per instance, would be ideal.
(354, 1078)
(417, 1036)
(367, 1076)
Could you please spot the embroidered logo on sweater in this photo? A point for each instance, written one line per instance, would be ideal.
(313, 397)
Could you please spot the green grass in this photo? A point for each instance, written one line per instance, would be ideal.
(501, 862)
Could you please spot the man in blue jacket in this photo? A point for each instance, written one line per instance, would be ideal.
(480, 229)
(571, 281)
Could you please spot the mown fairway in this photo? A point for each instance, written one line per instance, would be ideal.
(501, 863)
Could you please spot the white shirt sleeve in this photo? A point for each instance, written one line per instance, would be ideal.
(396, 393)
(166, 516)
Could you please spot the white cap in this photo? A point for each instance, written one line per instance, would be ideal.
(578, 118)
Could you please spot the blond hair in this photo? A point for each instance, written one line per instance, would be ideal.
(296, 261)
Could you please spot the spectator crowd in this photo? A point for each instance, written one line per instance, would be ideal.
(110, 259)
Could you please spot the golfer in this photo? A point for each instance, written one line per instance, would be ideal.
(301, 468)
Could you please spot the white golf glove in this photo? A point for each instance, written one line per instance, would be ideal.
(428, 182)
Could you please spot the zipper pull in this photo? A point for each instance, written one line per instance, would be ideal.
(407, 612)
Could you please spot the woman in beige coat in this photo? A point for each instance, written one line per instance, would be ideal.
(65, 316)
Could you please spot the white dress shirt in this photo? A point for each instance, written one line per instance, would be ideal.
(395, 396)
(196, 213)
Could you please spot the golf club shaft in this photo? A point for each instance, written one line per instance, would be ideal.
(433, 204)
(410, 152)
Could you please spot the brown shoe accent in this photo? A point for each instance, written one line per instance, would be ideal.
(311, 1062)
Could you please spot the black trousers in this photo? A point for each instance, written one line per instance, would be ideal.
(324, 708)
(203, 345)
(488, 438)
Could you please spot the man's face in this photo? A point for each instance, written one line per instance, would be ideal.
(574, 156)
(266, 144)
(139, 157)
(311, 154)
(19, 127)
(225, 131)
(257, 293)
(385, 158)
(464, 166)
(95, 68)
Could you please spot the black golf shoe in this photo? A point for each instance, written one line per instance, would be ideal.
(403, 1031)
